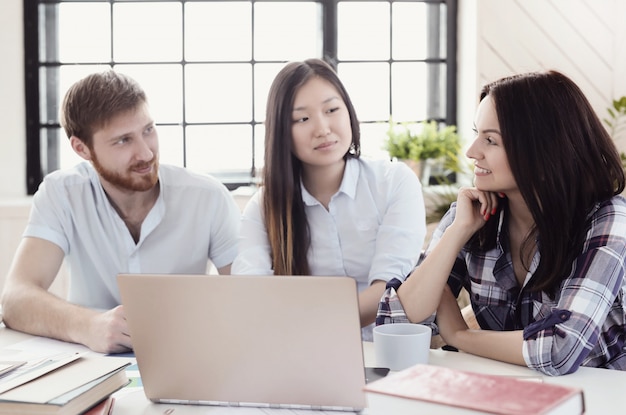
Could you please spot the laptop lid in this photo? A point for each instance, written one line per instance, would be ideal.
(279, 341)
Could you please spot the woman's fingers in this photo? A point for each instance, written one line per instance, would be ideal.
(486, 203)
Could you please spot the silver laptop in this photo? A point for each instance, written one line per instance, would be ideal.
(266, 341)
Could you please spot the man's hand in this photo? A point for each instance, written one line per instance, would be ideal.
(108, 332)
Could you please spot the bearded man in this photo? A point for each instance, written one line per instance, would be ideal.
(118, 211)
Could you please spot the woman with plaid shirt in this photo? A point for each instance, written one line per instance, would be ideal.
(539, 242)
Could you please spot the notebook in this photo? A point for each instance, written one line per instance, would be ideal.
(260, 341)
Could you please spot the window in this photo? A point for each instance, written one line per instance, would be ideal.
(207, 66)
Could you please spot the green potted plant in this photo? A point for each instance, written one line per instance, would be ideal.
(425, 146)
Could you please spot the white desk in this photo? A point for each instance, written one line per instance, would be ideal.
(604, 389)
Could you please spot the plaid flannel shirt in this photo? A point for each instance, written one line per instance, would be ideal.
(585, 324)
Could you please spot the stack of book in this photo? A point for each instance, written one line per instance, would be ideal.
(68, 384)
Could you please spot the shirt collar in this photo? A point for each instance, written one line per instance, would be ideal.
(348, 182)
(155, 215)
(350, 177)
(499, 235)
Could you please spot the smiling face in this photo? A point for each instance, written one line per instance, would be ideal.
(491, 166)
(321, 128)
(125, 151)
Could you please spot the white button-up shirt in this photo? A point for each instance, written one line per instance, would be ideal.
(193, 220)
(374, 227)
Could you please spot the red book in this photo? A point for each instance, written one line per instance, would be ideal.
(440, 390)
(103, 408)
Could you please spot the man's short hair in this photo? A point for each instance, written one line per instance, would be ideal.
(93, 101)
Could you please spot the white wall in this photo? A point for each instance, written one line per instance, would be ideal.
(585, 39)
(14, 205)
(12, 112)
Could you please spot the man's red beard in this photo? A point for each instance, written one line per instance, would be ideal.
(141, 183)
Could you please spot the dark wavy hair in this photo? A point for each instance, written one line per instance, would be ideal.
(285, 218)
(563, 160)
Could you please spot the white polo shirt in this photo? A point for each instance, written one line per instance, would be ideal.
(194, 219)
(374, 227)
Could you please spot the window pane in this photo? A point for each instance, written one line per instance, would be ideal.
(49, 151)
(55, 81)
(225, 148)
(264, 75)
(363, 30)
(373, 136)
(84, 39)
(259, 149)
(438, 40)
(287, 31)
(410, 27)
(418, 91)
(67, 156)
(437, 77)
(49, 92)
(218, 31)
(147, 31)
(47, 47)
(368, 87)
(443, 32)
(171, 145)
(69, 74)
(164, 89)
(207, 67)
(408, 91)
(218, 93)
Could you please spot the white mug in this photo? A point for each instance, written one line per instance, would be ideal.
(401, 345)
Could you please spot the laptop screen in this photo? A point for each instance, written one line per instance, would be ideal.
(280, 341)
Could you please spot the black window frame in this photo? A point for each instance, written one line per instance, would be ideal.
(41, 161)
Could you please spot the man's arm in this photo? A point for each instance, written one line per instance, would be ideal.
(28, 306)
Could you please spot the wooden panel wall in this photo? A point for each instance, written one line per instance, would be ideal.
(585, 39)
